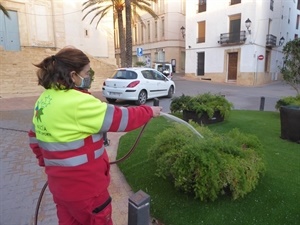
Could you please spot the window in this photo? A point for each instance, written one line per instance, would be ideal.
(135, 34)
(201, 32)
(148, 30)
(142, 33)
(233, 2)
(155, 29)
(202, 6)
(296, 36)
(272, 4)
(162, 26)
(298, 5)
(297, 22)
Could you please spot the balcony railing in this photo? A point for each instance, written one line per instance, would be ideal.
(271, 40)
(233, 38)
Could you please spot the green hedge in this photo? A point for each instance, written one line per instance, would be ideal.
(211, 166)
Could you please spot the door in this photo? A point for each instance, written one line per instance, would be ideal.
(9, 31)
(234, 30)
(232, 66)
(200, 63)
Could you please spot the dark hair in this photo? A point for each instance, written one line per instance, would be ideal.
(54, 71)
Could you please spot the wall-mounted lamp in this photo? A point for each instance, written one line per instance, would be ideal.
(281, 41)
(248, 25)
(182, 29)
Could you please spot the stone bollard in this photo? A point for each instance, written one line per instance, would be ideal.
(139, 209)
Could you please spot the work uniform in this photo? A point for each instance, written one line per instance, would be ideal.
(67, 139)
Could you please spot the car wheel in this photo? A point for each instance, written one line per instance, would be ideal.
(170, 92)
(111, 100)
(142, 98)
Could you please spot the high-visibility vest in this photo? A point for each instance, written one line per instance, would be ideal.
(67, 139)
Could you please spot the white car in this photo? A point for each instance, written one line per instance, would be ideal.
(137, 84)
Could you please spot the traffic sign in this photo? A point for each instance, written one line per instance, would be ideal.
(139, 51)
(260, 57)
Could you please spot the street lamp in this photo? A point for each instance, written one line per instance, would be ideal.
(281, 41)
(248, 25)
(182, 31)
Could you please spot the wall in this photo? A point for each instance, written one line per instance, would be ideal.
(18, 75)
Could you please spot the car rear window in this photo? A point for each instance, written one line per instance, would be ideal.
(124, 74)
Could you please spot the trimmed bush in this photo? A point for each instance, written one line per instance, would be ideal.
(211, 166)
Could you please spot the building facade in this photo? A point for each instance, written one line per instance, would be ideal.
(239, 41)
(54, 24)
(161, 39)
(40, 28)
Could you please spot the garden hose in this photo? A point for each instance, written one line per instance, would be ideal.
(111, 163)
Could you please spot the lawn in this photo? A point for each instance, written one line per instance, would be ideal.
(275, 201)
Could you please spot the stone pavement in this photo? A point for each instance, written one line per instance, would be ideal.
(22, 179)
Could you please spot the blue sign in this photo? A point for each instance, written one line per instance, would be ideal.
(139, 51)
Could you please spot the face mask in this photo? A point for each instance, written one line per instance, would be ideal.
(85, 82)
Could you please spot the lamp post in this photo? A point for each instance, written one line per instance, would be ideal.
(281, 41)
(248, 25)
(182, 29)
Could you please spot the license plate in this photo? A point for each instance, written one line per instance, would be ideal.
(115, 93)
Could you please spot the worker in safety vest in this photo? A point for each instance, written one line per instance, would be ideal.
(67, 137)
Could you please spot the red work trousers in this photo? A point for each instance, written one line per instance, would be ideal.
(81, 212)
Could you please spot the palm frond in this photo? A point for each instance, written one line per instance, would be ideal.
(4, 11)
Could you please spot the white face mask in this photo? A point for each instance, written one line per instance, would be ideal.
(85, 82)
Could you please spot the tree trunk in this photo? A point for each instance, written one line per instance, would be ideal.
(121, 39)
(128, 34)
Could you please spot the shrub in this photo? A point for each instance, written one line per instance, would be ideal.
(211, 166)
(202, 103)
(289, 100)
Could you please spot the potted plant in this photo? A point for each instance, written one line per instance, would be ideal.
(289, 106)
(204, 108)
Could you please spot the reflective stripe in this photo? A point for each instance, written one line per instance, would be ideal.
(33, 140)
(99, 152)
(124, 119)
(58, 146)
(33, 128)
(72, 161)
(108, 119)
(96, 137)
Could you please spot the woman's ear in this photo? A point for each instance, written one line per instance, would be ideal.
(72, 75)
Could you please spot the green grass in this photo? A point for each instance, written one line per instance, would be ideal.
(275, 201)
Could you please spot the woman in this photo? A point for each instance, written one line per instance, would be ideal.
(67, 137)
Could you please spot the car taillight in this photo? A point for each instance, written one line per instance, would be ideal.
(133, 84)
(104, 84)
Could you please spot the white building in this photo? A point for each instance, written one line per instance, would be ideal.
(54, 24)
(161, 39)
(239, 40)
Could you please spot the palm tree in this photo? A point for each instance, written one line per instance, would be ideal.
(128, 34)
(4, 10)
(102, 7)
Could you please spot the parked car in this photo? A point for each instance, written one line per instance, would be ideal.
(165, 68)
(137, 84)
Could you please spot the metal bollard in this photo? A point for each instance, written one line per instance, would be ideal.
(155, 102)
(139, 209)
(262, 104)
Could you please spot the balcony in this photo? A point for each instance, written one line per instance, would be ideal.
(271, 40)
(233, 38)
